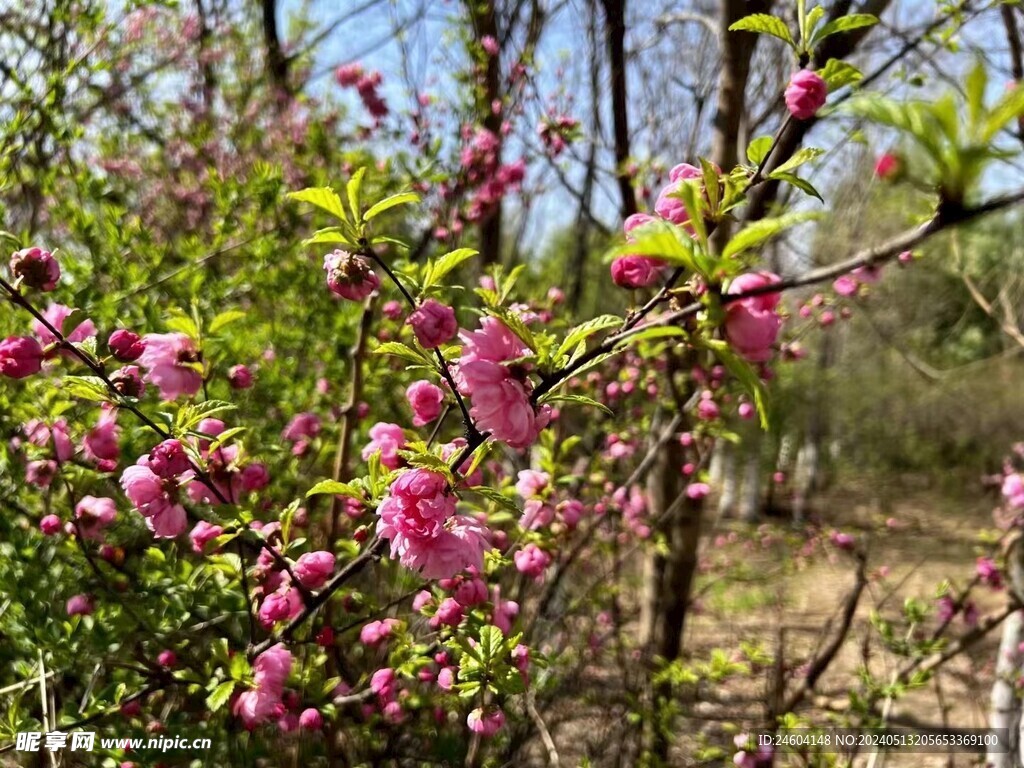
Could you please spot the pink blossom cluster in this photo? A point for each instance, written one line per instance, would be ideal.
(499, 389)
(366, 84)
(418, 516)
(638, 271)
(556, 132)
(263, 702)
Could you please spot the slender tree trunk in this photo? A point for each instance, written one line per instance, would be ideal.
(615, 34)
(485, 24)
(1005, 704)
(277, 62)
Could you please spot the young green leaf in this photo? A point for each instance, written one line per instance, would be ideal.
(403, 198)
(758, 149)
(764, 24)
(440, 268)
(352, 190)
(324, 198)
(765, 229)
(843, 24)
(837, 74)
(335, 488)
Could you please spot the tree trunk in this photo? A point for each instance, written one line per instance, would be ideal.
(615, 34)
(1005, 704)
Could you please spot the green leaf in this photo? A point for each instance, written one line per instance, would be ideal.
(796, 181)
(758, 149)
(760, 231)
(648, 334)
(837, 74)
(352, 190)
(581, 400)
(497, 497)
(662, 240)
(402, 198)
(587, 329)
(329, 235)
(398, 349)
(220, 696)
(843, 24)
(798, 158)
(516, 325)
(87, 387)
(814, 17)
(491, 644)
(324, 198)
(1009, 107)
(225, 319)
(762, 23)
(746, 374)
(974, 88)
(335, 488)
(438, 269)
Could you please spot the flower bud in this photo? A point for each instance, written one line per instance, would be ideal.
(36, 268)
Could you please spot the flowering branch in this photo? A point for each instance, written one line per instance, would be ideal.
(97, 368)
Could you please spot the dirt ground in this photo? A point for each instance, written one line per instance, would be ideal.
(930, 537)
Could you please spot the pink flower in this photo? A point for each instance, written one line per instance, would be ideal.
(171, 360)
(36, 268)
(255, 476)
(446, 678)
(459, 546)
(383, 683)
(392, 310)
(500, 403)
(167, 658)
(347, 75)
(203, 534)
(842, 540)
(845, 285)
(168, 459)
(805, 94)
(490, 45)
(102, 442)
(635, 220)
(240, 377)
(314, 568)
(418, 504)
(164, 516)
(707, 409)
(988, 573)
(532, 483)
(433, 323)
(425, 399)
(94, 514)
(752, 324)
(532, 561)
(493, 342)
(263, 702)
(20, 356)
(128, 381)
(256, 707)
(311, 720)
(387, 438)
(888, 166)
(636, 271)
(449, 612)
(350, 275)
(303, 426)
(418, 517)
(125, 345)
(697, 490)
(746, 411)
(376, 632)
(284, 604)
(40, 473)
(50, 525)
(55, 315)
(80, 605)
(485, 722)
